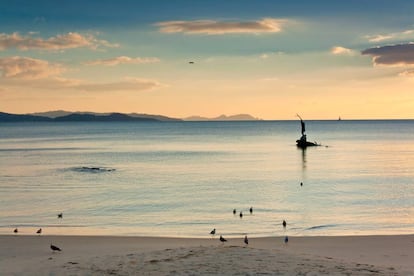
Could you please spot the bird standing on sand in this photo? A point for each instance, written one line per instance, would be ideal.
(223, 240)
(284, 223)
(286, 239)
(60, 215)
(246, 241)
(241, 214)
(54, 248)
(16, 231)
(213, 232)
(39, 231)
(234, 211)
(251, 210)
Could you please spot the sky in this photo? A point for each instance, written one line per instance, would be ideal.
(271, 59)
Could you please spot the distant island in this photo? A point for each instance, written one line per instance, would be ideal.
(238, 117)
(67, 116)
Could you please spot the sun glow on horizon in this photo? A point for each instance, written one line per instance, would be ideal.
(270, 63)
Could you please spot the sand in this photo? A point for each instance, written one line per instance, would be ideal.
(98, 255)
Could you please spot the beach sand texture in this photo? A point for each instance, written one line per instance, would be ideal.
(97, 255)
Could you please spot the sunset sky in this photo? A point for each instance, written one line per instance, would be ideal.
(270, 59)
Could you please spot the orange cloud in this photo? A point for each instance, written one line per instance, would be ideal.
(122, 60)
(211, 27)
(60, 42)
(28, 68)
(407, 73)
(398, 35)
(338, 50)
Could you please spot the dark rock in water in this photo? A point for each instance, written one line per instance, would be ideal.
(93, 169)
(303, 143)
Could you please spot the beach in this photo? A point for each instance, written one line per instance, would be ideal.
(115, 255)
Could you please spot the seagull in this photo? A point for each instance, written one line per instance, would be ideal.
(241, 214)
(60, 215)
(223, 240)
(286, 239)
(16, 231)
(213, 232)
(284, 223)
(251, 210)
(234, 211)
(246, 241)
(39, 231)
(54, 248)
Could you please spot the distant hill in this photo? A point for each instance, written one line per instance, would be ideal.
(157, 117)
(82, 117)
(7, 117)
(52, 114)
(66, 116)
(113, 117)
(62, 113)
(238, 117)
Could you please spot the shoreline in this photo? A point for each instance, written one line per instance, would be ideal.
(124, 255)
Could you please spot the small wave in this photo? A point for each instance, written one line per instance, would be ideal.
(87, 169)
(39, 149)
(321, 226)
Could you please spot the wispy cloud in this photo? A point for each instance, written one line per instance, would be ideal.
(396, 35)
(271, 54)
(28, 68)
(60, 42)
(128, 84)
(211, 27)
(20, 71)
(339, 50)
(122, 60)
(392, 55)
(407, 73)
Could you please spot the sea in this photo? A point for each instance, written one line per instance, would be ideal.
(183, 179)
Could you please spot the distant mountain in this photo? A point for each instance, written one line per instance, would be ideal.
(7, 117)
(66, 116)
(238, 117)
(75, 117)
(52, 114)
(82, 117)
(157, 117)
(62, 113)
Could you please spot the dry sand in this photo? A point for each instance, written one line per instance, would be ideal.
(87, 255)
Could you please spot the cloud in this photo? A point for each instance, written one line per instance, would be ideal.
(122, 60)
(129, 84)
(271, 54)
(211, 27)
(338, 50)
(378, 38)
(396, 35)
(60, 42)
(407, 73)
(392, 55)
(28, 68)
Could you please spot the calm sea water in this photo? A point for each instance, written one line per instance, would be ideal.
(185, 178)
